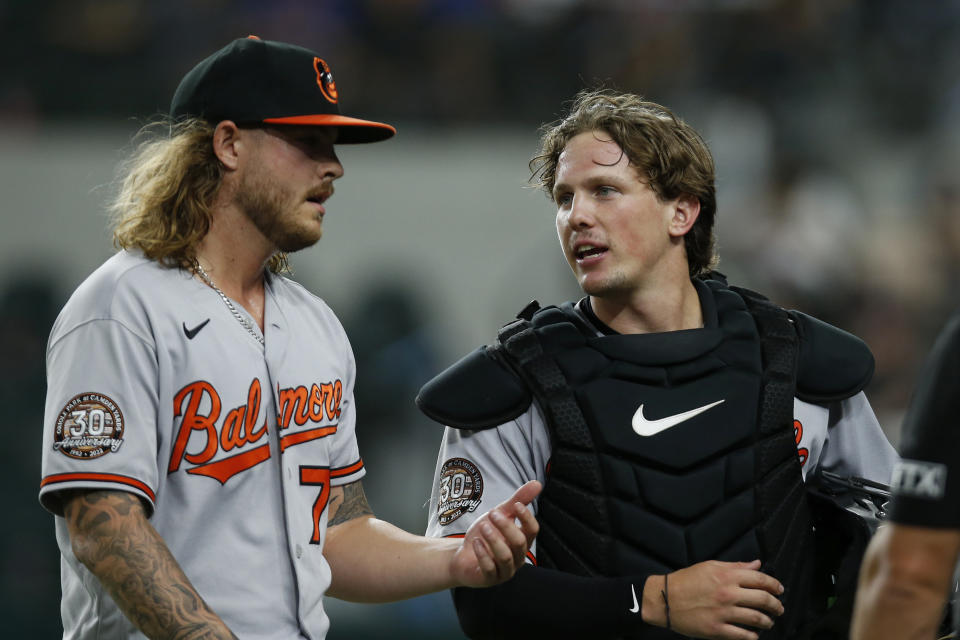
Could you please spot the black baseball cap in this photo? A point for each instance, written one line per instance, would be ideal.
(254, 81)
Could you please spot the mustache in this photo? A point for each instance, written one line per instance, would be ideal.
(323, 192)
(588, 238)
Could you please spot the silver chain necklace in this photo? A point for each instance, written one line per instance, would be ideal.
(236, 314)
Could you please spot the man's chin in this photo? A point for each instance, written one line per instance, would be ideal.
(603, 288)
(292, 243)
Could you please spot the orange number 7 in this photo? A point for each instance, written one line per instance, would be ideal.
(317, 476)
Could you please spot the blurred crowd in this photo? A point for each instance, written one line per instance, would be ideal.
(835, 125)
(879, 65)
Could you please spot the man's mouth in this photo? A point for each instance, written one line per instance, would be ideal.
(587, 251)
(319, 198)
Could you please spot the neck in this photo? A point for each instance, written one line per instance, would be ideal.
(651, 311)
(234, 252)
(234, 255)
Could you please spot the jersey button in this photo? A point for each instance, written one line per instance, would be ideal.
(299, 551)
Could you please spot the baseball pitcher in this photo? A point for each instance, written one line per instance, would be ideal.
(199, 449)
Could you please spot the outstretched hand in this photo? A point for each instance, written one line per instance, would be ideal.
(495, 546)
(710, 599)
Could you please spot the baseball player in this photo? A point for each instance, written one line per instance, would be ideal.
(199, 450)
(672, 418)
(908, 570)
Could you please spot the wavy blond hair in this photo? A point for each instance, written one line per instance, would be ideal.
(668, 153)
(164, 193)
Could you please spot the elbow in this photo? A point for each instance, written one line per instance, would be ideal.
(96, 524)
(84, 547)
(907, 583)
(898, 600)
(916, 568)
(902, 578)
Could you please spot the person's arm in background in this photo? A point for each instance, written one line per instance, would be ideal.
(908, 567)
(904, 582)
(111, 536)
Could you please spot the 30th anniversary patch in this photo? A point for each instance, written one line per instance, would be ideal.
(461, 487)
(89, 426)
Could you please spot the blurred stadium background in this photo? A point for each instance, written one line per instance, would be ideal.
(835, 125)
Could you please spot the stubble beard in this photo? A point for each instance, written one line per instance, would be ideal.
(268, 208)
(612, 286)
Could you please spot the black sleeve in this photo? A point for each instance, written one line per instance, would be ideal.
(544, 603)
(926, 481)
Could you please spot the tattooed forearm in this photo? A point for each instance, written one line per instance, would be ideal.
(348, 502)
(111, 536)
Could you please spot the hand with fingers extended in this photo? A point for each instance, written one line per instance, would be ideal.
(714, 600)
(495, 546)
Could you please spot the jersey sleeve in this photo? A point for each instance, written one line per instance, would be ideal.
(477, 470)
(926, 482)
(346, 466)
(854, 444)
(99, 428)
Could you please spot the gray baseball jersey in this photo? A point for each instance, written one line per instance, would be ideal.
(155, 388)
(477, 469)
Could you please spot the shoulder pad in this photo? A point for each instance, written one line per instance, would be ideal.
(476, 392)
(833, 364)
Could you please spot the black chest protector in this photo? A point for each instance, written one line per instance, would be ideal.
(667, 449)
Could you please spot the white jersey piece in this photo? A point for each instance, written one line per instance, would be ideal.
(479, 469)
(155, 388)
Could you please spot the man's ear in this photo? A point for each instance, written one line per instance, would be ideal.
(686, 210)
(226, 138)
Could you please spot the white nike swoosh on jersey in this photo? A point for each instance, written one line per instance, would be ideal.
(636, 605)
(644, 427)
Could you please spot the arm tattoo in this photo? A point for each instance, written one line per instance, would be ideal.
(348, 502)
(110, 535)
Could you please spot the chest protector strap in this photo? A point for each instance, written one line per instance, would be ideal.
(785, 523)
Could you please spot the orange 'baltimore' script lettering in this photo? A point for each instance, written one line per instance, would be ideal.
(301, 405)
(239, 431)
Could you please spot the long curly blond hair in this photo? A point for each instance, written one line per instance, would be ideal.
(164, 193)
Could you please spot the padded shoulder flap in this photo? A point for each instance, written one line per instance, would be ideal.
(833, 364)
(476, 392)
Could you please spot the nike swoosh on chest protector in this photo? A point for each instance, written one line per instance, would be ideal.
(645, 427)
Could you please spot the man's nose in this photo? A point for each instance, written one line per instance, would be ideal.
(330, 168)
(581, 212)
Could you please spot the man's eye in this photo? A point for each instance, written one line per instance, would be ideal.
(564, 199)
(605, 191)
